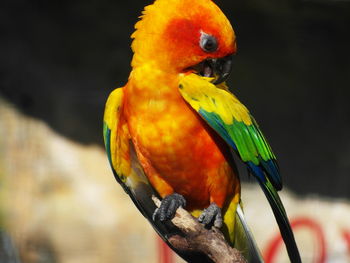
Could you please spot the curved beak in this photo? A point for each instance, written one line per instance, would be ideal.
(217, 68)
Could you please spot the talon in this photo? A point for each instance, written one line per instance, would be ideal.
(211, 216)
(155, 214)
(168, 207)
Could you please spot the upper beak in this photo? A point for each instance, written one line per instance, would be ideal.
(217, 68)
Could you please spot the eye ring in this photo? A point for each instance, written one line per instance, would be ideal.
(208, 43)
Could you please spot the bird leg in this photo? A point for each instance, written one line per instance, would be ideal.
(168, 207)
(211, 216)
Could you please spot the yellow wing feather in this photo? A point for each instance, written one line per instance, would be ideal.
(118, 140)
(230, 108)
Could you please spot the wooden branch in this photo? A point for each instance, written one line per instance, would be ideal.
(199, 239)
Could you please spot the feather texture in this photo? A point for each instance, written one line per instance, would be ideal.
(129, 173)
(244, 240)
(231, 119)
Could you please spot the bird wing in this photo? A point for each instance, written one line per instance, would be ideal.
(231, 119)
(233, 122)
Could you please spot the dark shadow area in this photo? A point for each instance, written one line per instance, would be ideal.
(8, 251)
(60, 59)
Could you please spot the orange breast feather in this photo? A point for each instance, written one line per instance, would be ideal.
(176, 148)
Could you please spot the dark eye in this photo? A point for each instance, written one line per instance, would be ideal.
(208, 43)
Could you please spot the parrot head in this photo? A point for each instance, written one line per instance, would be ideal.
(181, 36)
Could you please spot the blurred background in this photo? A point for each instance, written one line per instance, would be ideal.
(59, 60)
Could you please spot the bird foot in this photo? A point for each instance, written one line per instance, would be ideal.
(168, 207)
(211, 216)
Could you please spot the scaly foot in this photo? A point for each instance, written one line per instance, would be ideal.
(211, 216)
(168, 207)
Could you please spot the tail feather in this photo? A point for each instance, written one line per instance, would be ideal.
(282, 219)
(244, 240)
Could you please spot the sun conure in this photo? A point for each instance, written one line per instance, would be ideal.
(172, 129)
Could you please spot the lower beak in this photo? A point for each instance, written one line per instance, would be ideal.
(221, 69)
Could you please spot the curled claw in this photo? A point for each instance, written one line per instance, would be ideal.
(211, 216)
(168, 207)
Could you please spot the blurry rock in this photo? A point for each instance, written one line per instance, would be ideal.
(60, 202)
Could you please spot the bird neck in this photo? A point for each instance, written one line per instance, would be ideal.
(148, 82)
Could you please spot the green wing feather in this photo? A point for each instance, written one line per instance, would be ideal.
(231, 119)
(233, 122)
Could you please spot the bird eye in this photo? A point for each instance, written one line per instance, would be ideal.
(208, 43)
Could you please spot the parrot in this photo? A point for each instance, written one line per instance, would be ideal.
(173, 129)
